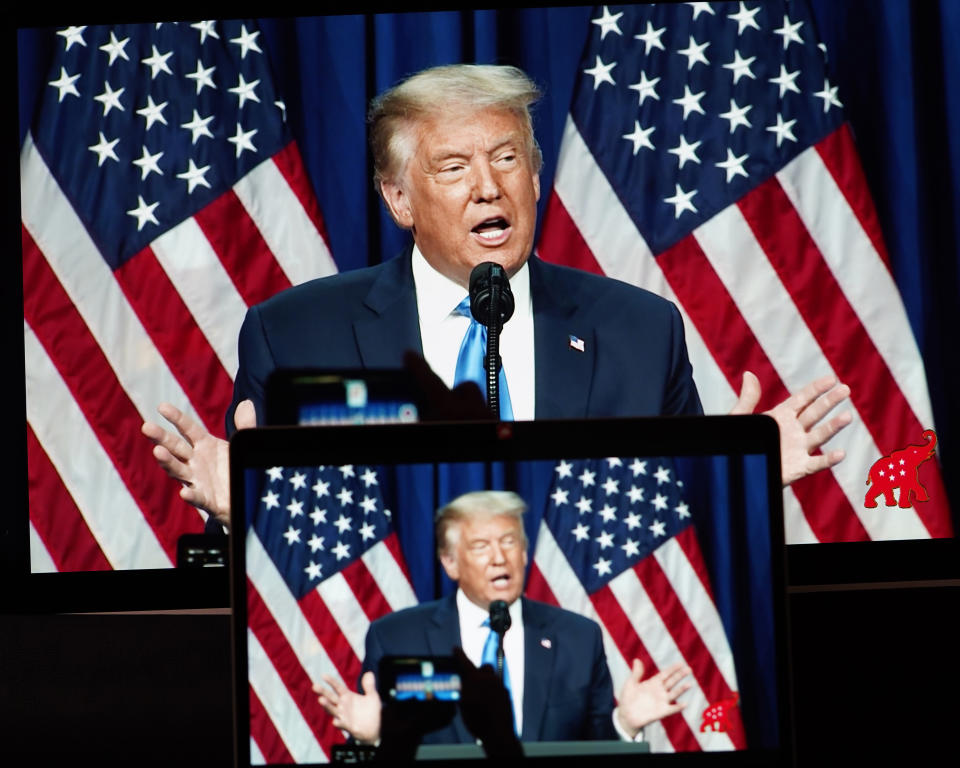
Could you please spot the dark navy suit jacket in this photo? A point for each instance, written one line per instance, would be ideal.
(567, 691)
(634, 359)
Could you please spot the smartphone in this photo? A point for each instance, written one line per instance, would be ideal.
(419, 678)
(313, 397)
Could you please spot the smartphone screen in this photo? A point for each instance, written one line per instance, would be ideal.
(313, 398)
(357, 406)
(420, 679)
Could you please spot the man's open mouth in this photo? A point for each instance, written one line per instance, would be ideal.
(492, 229)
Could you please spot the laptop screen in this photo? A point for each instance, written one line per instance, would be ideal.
(666, 533)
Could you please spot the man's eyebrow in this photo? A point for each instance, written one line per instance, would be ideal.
(445, 153)
(510, 138)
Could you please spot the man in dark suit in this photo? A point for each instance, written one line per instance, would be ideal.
(465, 181)
(457, 164)
(369, 319)
(555, 664)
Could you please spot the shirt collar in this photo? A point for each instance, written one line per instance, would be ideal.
(472, 615)
(438, 295)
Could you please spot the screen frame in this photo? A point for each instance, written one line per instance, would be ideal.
(149, 589)
(512, 441)
(809, 566)
(897, 562)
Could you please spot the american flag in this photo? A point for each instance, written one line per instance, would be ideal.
(706, 158)
(161, 196)
(617, 544)
(322, 562)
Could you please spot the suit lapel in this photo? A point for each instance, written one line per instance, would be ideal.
(539, 661)
(393, 325)
(443, 634)
(563, 372)
(443, 630)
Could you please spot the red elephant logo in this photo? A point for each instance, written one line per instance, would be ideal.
(720, 717)
(899, 470)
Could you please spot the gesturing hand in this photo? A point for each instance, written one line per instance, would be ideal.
(200, 461)
(356, 713)
(799, 419)
(641, 703)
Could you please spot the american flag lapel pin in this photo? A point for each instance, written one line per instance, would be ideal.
(545, 642)
(577, 343)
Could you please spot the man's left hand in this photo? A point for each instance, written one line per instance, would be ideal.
(799, 418)
(642, 703)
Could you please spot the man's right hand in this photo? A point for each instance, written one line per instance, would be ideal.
(197, 459)
(356, 713)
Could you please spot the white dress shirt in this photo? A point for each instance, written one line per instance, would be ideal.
(473, 636)
(442, 331)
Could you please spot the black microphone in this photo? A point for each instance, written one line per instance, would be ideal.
(499, 617)
(499, 623)
(491, 304)
(490, 294)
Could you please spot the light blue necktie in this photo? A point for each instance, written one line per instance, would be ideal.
(470, 361)
(490, 657)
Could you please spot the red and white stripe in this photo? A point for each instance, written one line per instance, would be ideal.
(293, 644)
(104, 348)
(791, 283)
(661, 612)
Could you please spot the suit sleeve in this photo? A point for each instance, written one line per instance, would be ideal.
(682, 398)
(599, 721)
(255, 364)
(372, 655)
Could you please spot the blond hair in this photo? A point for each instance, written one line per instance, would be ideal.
(477, 504)
(464, 88)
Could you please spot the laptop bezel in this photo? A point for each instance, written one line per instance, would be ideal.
(513, 441)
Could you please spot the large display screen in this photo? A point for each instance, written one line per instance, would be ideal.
(677, 558)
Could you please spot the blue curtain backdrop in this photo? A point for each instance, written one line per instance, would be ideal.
(897, 64)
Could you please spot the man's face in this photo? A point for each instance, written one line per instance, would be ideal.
(488, 559)
(469, 193)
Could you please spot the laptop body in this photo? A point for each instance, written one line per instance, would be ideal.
(667, 532)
